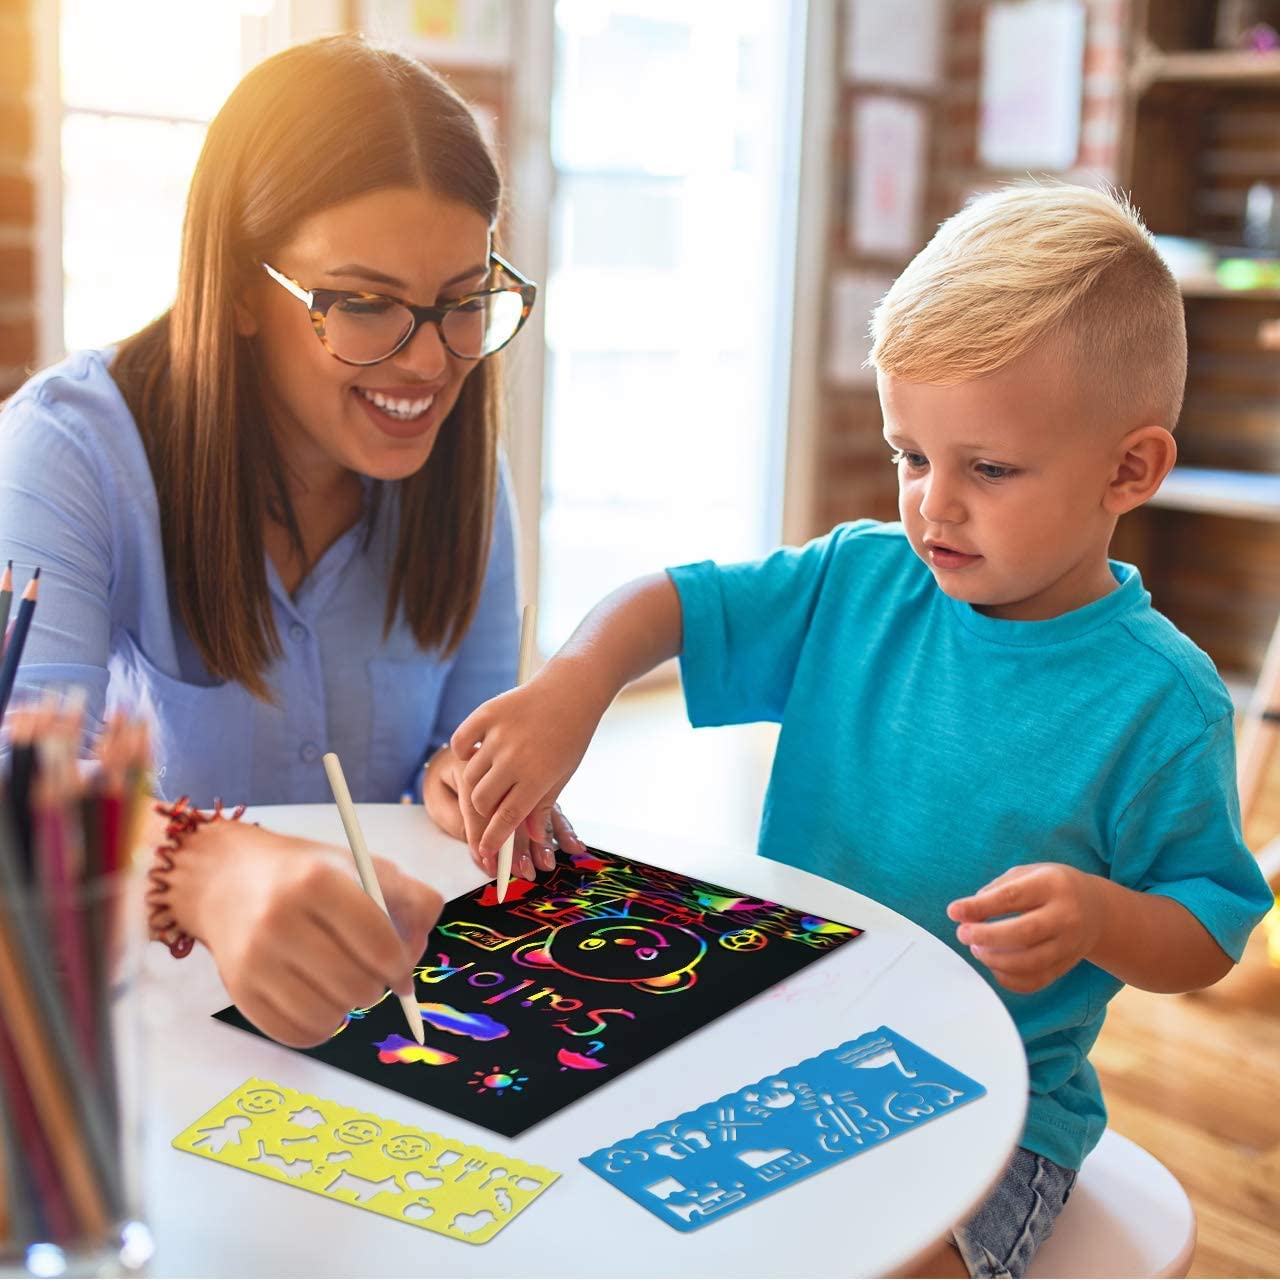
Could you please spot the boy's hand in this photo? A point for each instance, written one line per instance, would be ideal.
(440, 796)
(1054, 923)
(520, 749)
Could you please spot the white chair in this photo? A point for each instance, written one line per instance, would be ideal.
(1127, 1216)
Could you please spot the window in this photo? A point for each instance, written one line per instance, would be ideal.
(140, 81)
(668, 356)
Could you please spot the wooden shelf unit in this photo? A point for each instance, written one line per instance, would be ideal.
(1222, 67)
(1200, 130)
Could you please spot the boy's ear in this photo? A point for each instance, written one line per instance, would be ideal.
(1145, 456)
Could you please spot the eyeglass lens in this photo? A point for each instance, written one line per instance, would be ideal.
(366, 329)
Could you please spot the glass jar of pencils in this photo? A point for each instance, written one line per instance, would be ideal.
(72, 934)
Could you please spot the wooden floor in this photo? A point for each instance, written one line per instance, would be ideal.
(1194, 1079)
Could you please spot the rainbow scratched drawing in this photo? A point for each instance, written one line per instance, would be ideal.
(475, 1026)
(396, 1048)
(578, 977)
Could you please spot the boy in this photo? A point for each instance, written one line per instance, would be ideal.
(985, 724)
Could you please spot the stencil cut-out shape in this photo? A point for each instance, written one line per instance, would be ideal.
(771, 1165)
(299, 1142)
(261, 1102)
(712, 1199)
(363, 1189)
(306, 1118)
(337, 1157)
(475, 1026)
(472, 1166)
(358, 1132)
(777, 1096)
(919, 1102)
(878, 1053)
(503, 1199)
(405, 1146)
(418, 1210)
(620, 1157)
(468, 1224)
(689, 1204)
(445, 1159)
(218, 1136)
(416, 1181)
(290, 1168)
(397, 1048)
(495, 1174)
(664, 1187)
(754, 1159)
(680, 1142)
(726, 1122)
(526, 1184)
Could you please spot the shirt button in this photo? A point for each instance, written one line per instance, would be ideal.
(298, 632)
(310, 753)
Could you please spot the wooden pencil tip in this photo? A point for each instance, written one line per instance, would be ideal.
(36, 575)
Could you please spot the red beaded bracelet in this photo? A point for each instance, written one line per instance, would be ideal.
(183, 820)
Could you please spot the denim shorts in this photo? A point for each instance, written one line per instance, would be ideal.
(1016, 1218)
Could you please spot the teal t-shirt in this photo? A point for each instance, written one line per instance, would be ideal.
(926, 748)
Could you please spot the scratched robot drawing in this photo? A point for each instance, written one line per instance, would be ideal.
(530, 1004)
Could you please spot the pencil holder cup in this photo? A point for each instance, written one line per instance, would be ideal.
(71, 1078)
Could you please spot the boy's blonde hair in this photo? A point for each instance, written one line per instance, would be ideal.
(1031, 262)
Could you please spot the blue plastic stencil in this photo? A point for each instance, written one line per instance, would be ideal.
(714, 1160)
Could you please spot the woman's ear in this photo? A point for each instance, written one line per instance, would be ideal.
(1144, 457)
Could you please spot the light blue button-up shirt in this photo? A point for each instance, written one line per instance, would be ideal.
(78, 499)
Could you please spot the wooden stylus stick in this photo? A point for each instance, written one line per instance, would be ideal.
(364, 865)
(528, 648)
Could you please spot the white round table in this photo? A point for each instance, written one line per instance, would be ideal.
(872, 1215)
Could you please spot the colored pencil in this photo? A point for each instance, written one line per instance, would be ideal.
(6, 599)
(38, 1198)
(17, 641)
(36, 1012)
(364, 865)
(528, 649)
(46, 1078)
(59, 878)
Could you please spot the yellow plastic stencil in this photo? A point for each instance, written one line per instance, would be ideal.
(374, 1163)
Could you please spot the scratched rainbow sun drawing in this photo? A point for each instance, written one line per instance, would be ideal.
(499, 1080)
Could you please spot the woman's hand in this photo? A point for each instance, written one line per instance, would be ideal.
(440, 796)
(516, 753)
(296, 939)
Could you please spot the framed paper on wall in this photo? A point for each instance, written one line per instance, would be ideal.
(454, 33)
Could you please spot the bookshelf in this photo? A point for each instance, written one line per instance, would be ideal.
(1200, 124)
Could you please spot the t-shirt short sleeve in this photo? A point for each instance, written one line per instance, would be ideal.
(745, 626)
(1180, 837)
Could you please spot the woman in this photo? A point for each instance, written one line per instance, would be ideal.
(274, 519)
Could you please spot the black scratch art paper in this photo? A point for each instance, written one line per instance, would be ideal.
(531, 1004)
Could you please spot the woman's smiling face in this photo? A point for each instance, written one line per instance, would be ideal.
(407, 243)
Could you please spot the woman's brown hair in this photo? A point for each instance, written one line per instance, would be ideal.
(311, 127)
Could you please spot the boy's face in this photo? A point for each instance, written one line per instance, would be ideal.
(1001, 486)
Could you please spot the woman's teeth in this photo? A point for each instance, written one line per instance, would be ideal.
(403, 410)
